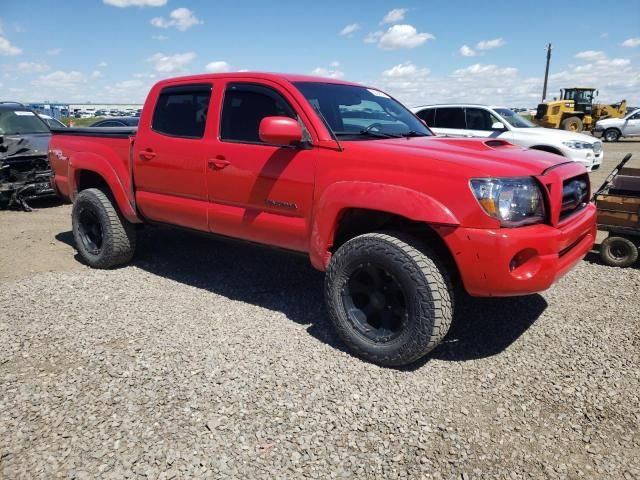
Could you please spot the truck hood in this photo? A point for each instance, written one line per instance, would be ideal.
(478, 157)
(610, 122)
(554, 135)
(25, 145)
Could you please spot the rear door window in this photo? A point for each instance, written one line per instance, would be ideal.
(428, 116)
(449, 117)
(181, 111)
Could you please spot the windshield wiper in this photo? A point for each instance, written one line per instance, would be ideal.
(369, 133)
(413, 133)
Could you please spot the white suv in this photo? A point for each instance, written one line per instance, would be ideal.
(611, 129)
(465, 120)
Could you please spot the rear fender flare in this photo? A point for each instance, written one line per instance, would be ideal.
(95, 163)
(393, 199)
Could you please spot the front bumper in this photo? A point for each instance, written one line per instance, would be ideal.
(586, 157)
(520, 261)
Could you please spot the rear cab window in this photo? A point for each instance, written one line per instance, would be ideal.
(428, 116)
(181, 110)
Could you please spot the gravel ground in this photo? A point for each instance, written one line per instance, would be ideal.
(209, 359)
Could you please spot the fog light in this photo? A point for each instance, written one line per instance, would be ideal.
(525, 264)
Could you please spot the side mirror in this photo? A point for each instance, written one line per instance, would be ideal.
(498, 126)
(280, 131)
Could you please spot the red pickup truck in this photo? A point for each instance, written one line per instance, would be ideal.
(344, 173)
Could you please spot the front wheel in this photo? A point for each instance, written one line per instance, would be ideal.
(611, 135)
(389, 298)
(618, 252)
(103, 237)
(573, 124)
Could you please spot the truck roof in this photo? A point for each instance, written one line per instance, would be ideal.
(289, 77)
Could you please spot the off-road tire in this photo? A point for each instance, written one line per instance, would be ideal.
(573, 124)
(611, 135)
(118, 235)
(618, 252)
(424, 282)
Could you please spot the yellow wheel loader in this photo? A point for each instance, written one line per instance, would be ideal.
(575, 111)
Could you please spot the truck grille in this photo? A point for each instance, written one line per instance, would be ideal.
(541, 111)
(575, 195)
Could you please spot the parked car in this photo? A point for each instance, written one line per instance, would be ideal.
(117, 122)
(612, 129)
(466, 120)
(52, 122)
(24, 165)
(393, 214)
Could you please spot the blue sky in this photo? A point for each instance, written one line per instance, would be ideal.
(420, 51)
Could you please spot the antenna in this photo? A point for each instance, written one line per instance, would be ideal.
(548, 48)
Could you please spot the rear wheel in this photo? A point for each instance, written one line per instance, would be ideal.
(618, 251)
(573, 124)
(388, 297)
(611, 135)
(103, 237)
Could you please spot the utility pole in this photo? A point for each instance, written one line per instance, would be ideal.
(546, 72)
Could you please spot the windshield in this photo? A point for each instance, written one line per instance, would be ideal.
(361, 113)
(20, 122)
(513, 119)
(53, 123)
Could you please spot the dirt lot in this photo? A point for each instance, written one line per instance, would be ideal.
(208, 359)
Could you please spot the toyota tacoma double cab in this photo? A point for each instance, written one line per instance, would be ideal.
(394, 215)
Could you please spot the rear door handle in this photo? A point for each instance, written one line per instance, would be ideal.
(147, 154)
(218, 164)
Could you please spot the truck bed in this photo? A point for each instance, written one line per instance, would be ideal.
(107, 132)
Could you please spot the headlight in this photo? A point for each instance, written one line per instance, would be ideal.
(512, 201)
(578, 145)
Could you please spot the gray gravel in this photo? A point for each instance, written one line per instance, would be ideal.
(207, 359)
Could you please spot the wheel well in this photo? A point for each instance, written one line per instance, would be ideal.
(357, 221)
(88, 179)
(614, 128)
(547, 148)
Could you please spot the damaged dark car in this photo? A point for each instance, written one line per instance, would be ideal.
(24, 166)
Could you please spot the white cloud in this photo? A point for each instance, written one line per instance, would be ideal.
(403, 36)
(490, 44)
(102, 64)
(327, 72)
(218, 66)
(591, 55)
(159, 37)
(135, 3)
(54, 51)
(96, 74)
(467, 51)
(334, 64)
(604, 35)
(349, 29)
(7, 49)
(406, 69)
(373, 37)
(181, 18)
(61, 80)
(479, 70)
(32, 67)
(171, 63)
(125, 84)
(394, 16)
(631, 42)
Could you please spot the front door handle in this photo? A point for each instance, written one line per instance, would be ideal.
(218, 164)
(147, 154)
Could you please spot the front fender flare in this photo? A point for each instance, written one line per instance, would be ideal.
(393, 199)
